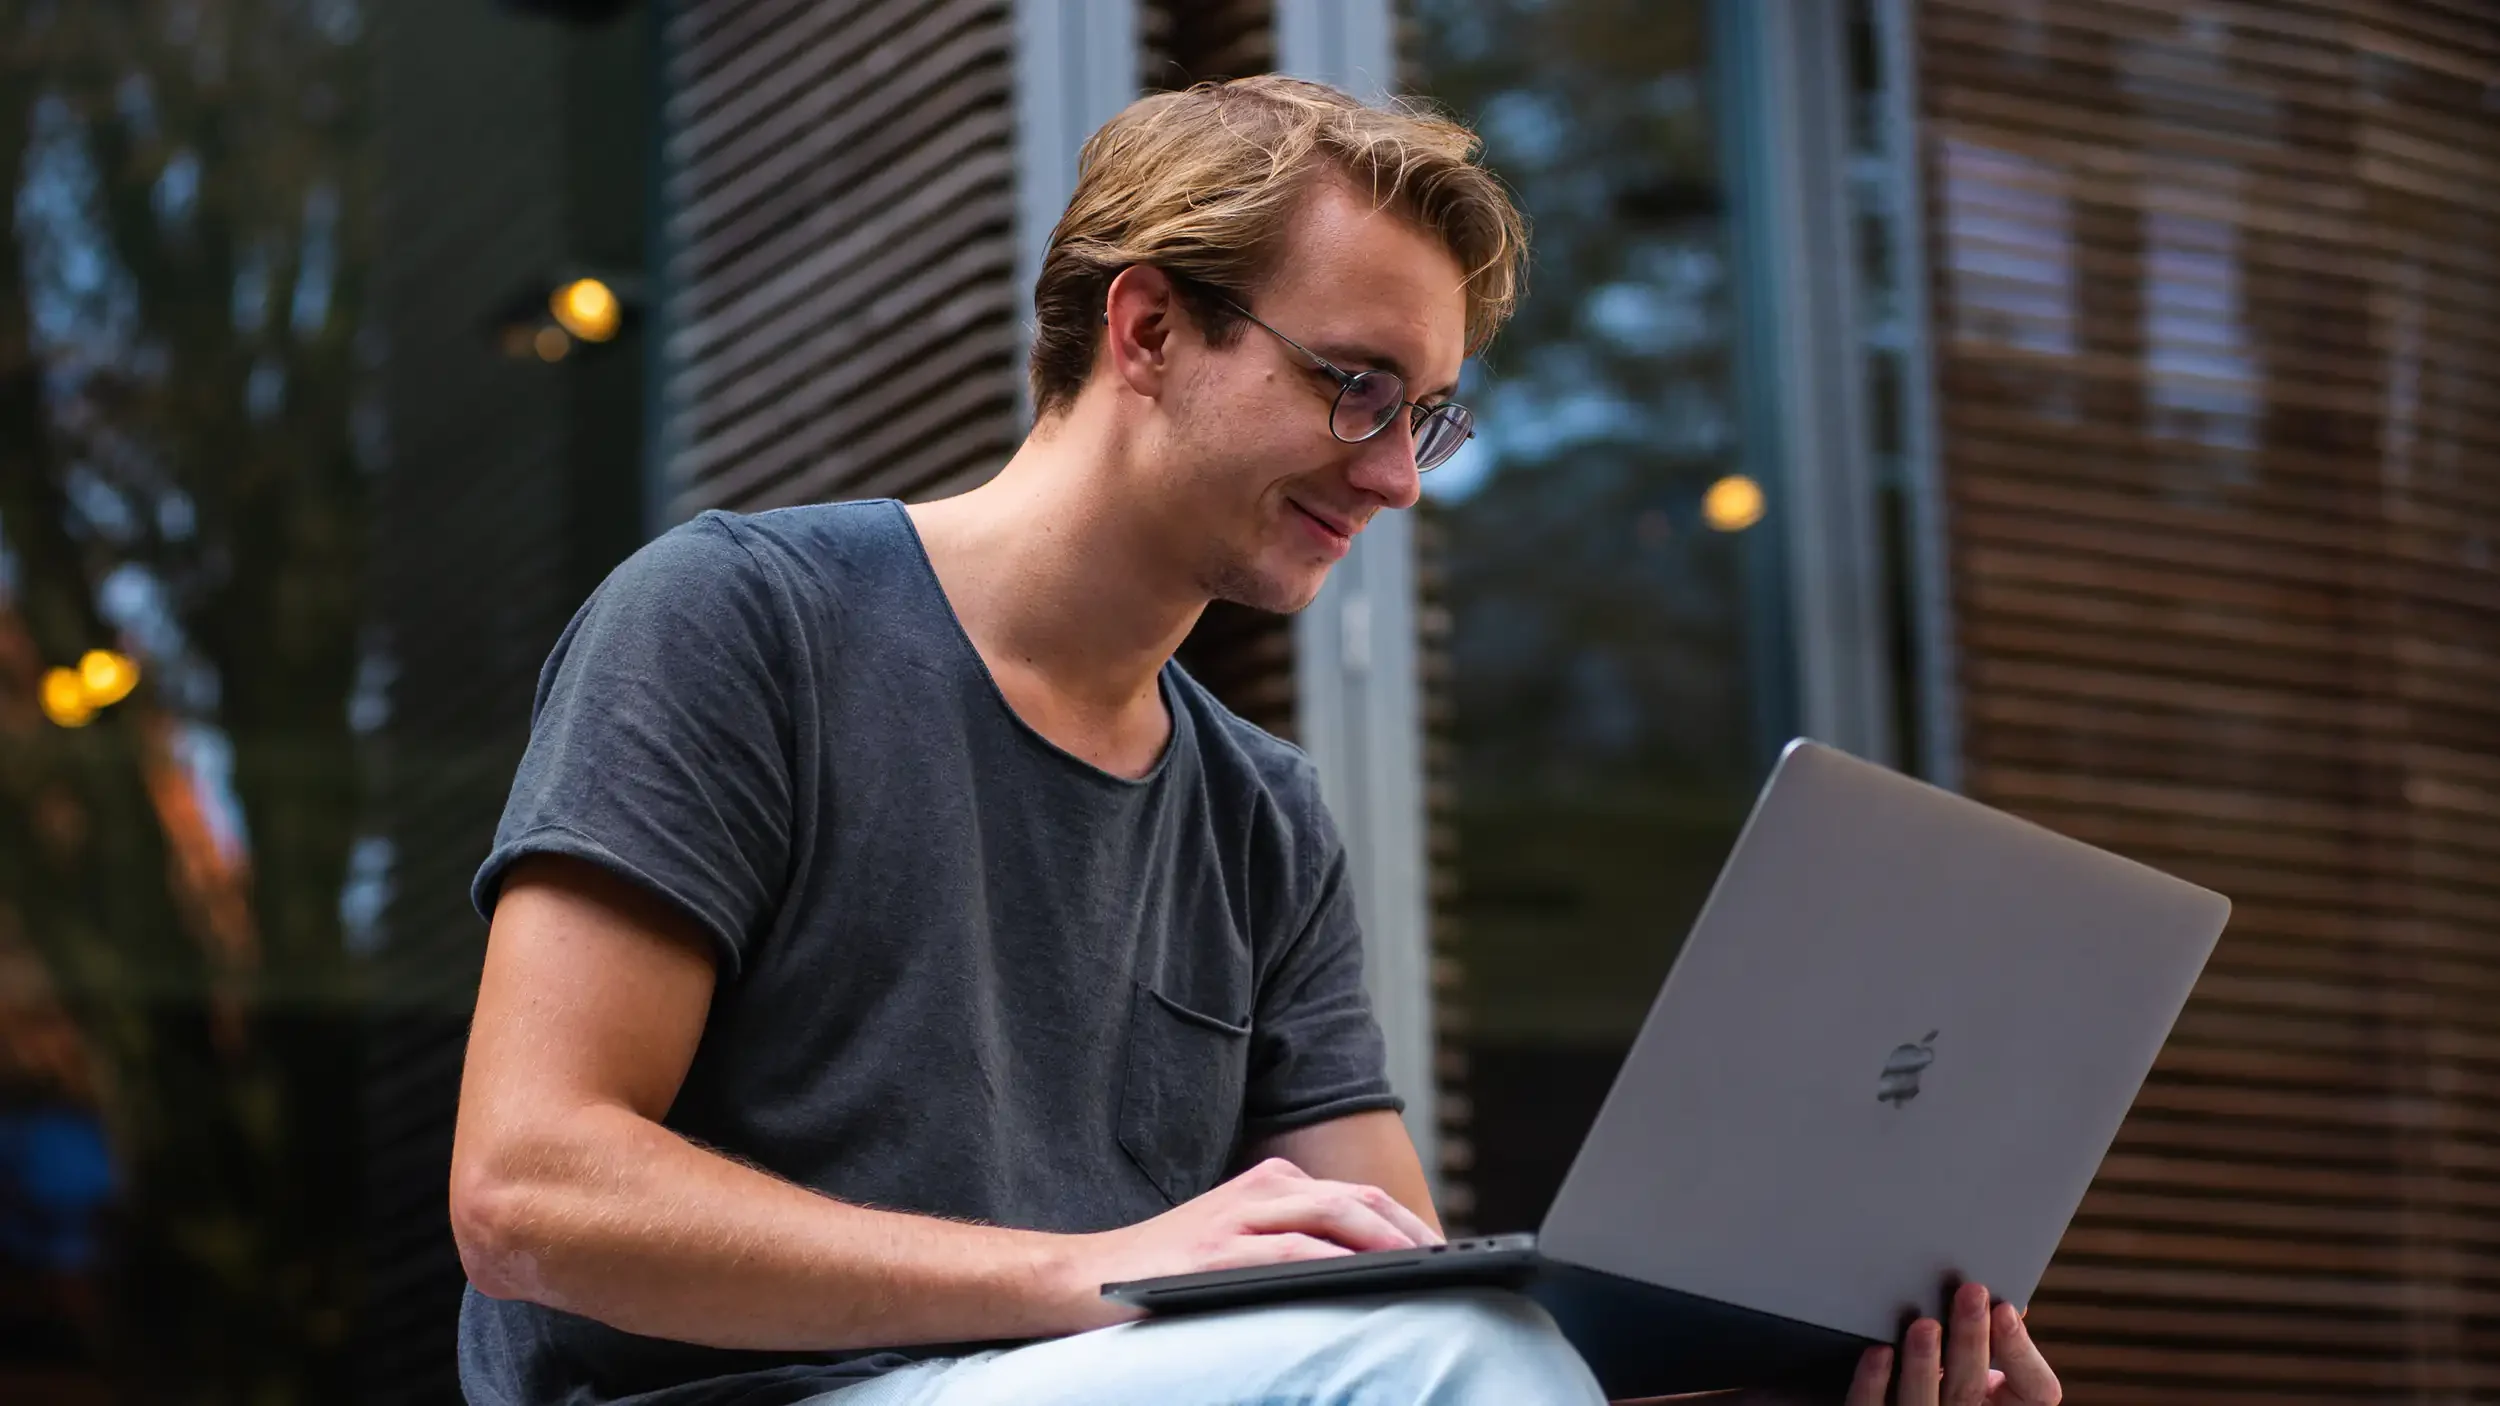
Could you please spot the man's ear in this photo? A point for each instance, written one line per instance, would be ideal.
(1141, 310)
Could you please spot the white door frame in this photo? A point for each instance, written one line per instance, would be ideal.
(1077, 64)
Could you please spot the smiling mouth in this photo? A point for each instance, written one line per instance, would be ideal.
(1326, 525)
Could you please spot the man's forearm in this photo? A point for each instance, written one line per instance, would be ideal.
(616, 1218)
(1371, 1148)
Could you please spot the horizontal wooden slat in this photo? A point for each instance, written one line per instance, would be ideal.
(2118, 456)
(2297, 1220)
(781, 44)
(701, 35)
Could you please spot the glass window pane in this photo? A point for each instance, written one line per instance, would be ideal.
(1600, 557)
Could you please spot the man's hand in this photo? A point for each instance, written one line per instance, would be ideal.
(1273, 1213)
(1941, 1367)
(1938, 1367)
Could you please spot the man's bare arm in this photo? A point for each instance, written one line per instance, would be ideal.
(1370, 1149)
(567, 1190)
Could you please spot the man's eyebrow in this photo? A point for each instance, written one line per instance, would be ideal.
(1364, 359)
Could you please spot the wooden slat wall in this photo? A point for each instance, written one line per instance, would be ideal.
(840, 204)
(2216, 291)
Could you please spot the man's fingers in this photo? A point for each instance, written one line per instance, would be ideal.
(1873, 1375)
(2028, 1380)
(1328, 1214)
(1922, 1363)
(1276, 1249)
(1296, 1189)
(1966, 1348)
(1390, 1209)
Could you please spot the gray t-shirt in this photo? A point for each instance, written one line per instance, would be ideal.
(962, 972)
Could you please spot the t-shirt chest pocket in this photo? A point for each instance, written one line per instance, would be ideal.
(1181, 1093)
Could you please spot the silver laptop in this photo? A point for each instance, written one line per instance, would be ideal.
(1889, 1059)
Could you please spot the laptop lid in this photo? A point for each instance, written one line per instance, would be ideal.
(1891, 1055)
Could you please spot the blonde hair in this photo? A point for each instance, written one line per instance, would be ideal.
(1202, 183)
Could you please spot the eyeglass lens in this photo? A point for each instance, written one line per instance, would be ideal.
(1366, 405)
(1372, 399)
(1443, 431)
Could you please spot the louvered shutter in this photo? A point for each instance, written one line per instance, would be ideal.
(2215, 291)
(839, 314)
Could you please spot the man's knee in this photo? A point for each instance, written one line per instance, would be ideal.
(1459, 1347)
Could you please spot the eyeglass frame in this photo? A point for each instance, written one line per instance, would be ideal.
(1345, 382)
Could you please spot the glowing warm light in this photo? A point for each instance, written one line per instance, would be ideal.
(551, 343)
(1733, 504)
(65, 698)
(587, 308)
(107, 676)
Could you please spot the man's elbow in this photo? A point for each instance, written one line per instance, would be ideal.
(491, 1225)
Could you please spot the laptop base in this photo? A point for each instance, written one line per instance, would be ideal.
(1641, 1340)
(1638, 1339)
(1501, 1261)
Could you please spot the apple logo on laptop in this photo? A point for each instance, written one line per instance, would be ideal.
(1901, 1070)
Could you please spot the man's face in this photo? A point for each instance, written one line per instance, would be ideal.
(1270, 498)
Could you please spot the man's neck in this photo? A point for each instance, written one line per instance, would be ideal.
(1066, 596)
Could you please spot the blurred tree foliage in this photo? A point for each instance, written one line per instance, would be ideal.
(1602, 622)
(181, 373)
(1602, 663)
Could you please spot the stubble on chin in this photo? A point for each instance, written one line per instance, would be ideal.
(1242, 584)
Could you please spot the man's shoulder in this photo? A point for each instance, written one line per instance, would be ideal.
(760, 576)
(1240, 754)
(809, 534)
(796, 555)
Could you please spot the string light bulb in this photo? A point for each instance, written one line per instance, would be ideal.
(65, 698)
(588, 309)
(1733, 504)
(107, 676)
(71, 697)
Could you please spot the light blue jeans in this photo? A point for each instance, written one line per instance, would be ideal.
(1457, 1347)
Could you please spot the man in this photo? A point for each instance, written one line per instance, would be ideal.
(890, 945)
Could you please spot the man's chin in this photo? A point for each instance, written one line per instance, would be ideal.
(1277, 592)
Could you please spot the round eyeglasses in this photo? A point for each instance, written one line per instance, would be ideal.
(1369, 401)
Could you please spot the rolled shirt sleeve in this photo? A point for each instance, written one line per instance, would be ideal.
(1316, 1049)
(660, 741)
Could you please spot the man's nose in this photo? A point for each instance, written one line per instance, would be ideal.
(1386, 470)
